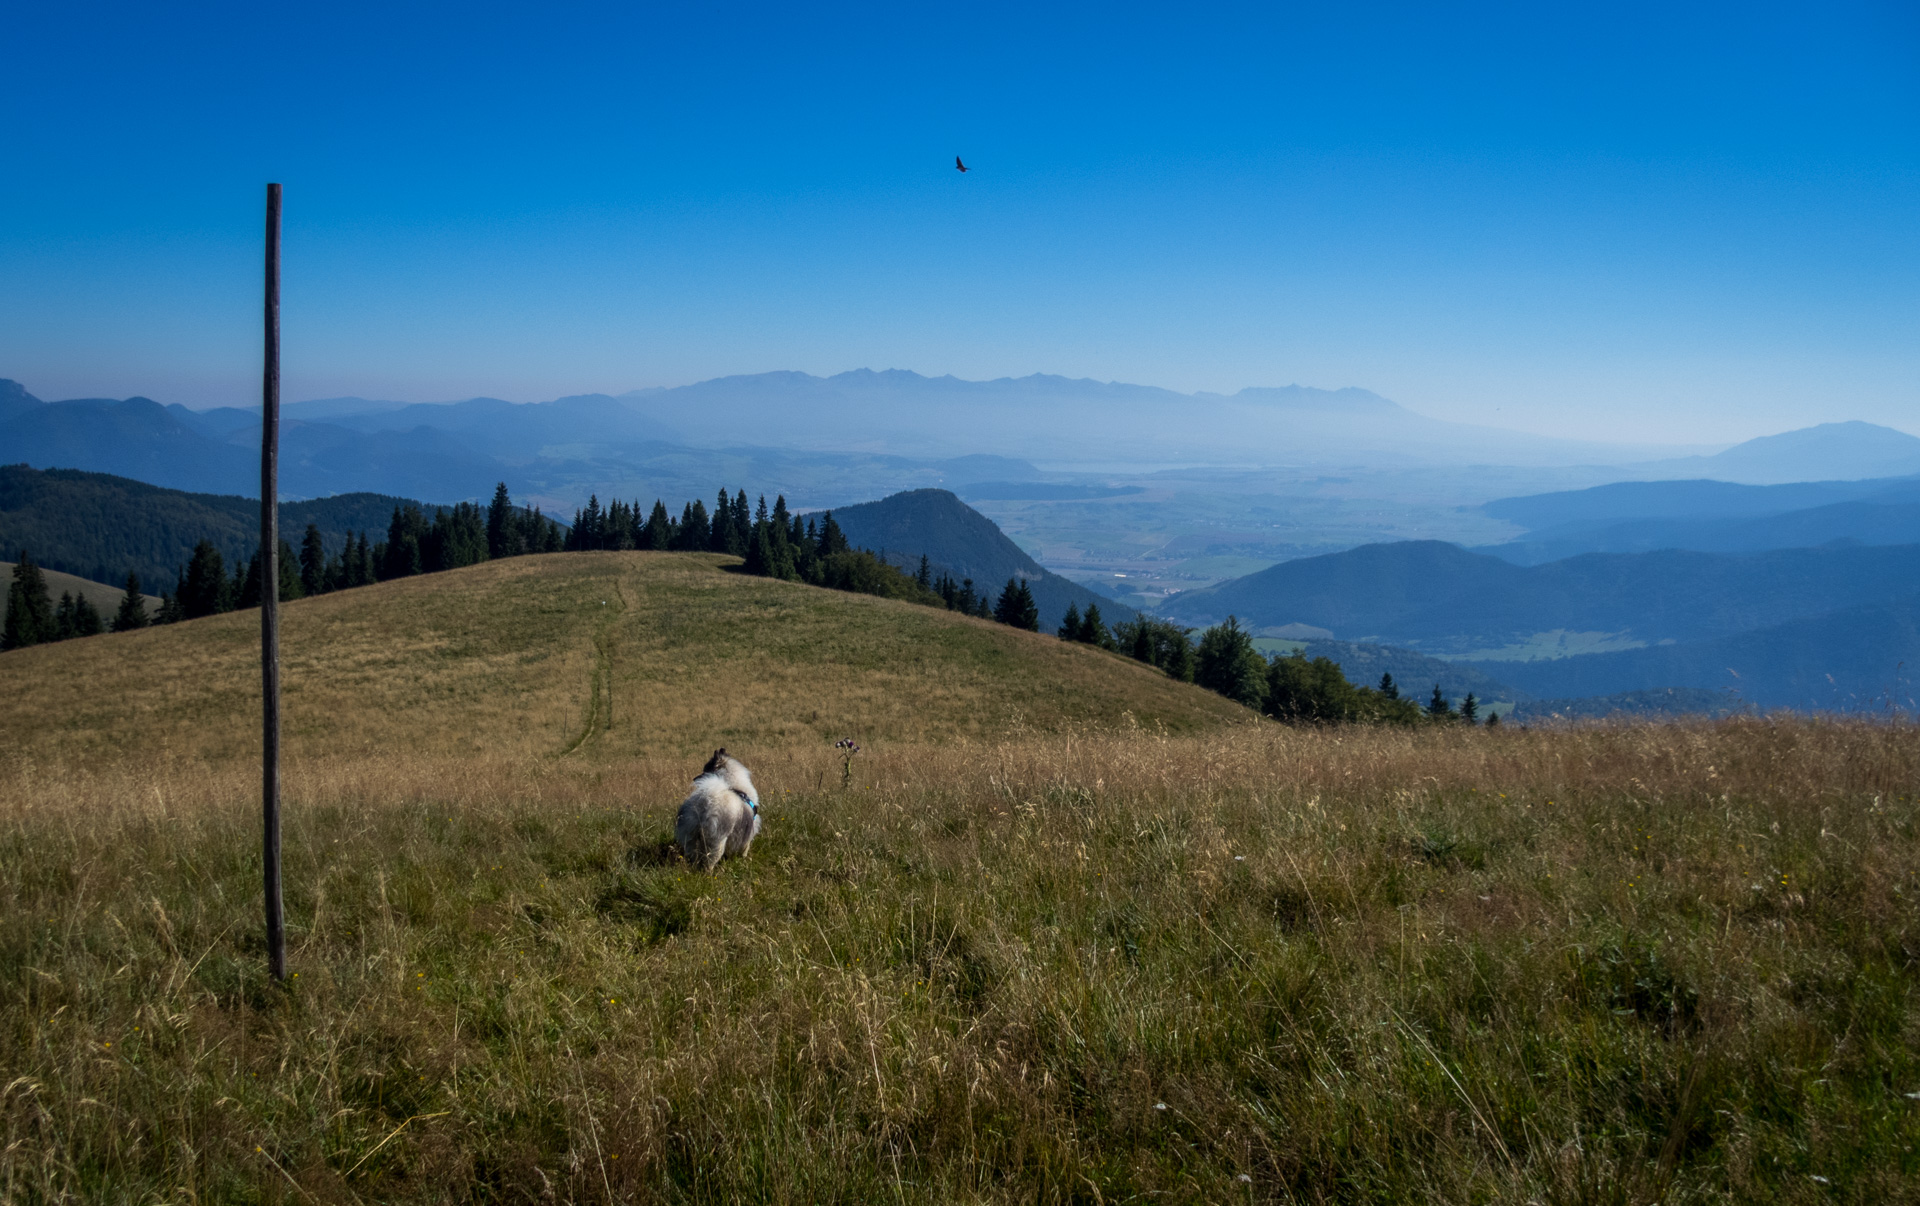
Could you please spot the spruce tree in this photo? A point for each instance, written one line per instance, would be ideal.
(63, 625)
(203, 584)
(924, 575)
(1070, 624)
(1470, 709)
(659, 529)
(1007, 605)
(695, 532)
(313, 561)
(1387, 687)
(87, 620)
(1493, 720)
(29, 607)
(501, 531)
(832, 539)
(1438, 707)
(1093, 630)
(133, 607)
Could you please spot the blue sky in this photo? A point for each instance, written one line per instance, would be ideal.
(1631, 221)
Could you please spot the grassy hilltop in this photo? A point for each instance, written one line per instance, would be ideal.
(1065, 931)
(607, 654)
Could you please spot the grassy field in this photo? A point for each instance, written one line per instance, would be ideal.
(1130, 948)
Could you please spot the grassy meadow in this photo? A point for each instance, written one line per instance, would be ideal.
(1063, 931)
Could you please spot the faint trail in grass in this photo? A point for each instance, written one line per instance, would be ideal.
(599, 709)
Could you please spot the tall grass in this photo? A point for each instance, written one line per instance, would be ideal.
(1636, 964)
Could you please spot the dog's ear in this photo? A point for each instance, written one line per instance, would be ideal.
(715, 763)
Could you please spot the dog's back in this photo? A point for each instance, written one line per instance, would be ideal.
(721, 816)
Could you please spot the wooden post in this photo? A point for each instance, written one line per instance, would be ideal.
(270, 598)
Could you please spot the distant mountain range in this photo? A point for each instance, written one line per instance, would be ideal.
(1043, 417)
(1708, 516)
(1848, 451)
(553, 453)
(960, 541)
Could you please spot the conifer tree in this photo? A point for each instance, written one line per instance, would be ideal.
(924, 575)
(63, 617)
(87, 620)
(1070, 624)
(501, 532)
(659, 528)
(133, 607)
(313, 561)
(832, 539)
(1093, 630)
(1387, 687)
(1470, 709)
(203, 584)
(1493, 720)
(29, 607)
(1016, 607)
(1438, 707)
(741, 527)
(696, 534)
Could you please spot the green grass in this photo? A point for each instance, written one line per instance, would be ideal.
(1095, 963)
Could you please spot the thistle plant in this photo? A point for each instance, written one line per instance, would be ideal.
(847, 750)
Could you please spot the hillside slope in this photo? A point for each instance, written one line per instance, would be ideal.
(615, 654)
(966, 544)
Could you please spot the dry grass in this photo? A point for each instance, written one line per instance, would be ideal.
(1071, 961)
(1609, 965)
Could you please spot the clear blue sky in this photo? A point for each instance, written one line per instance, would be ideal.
(1669, 222)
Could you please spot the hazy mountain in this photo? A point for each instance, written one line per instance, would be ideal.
(133, 437)
(1839, 451)
(15, 400)
(523, 430)
(1686, 499)
(554, 454)
(1062, 419)
(1854, 659)
(1440, 598)
(1710, 517)
(959, 540)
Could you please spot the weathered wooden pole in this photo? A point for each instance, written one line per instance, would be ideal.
(270, 598)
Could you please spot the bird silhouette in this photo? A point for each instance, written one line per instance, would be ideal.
(958, 164)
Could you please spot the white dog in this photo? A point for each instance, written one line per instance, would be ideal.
(722, 814)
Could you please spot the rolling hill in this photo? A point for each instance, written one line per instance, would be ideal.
(966, 544)
(615, 653)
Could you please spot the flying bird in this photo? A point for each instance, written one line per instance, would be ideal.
(958, 164)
